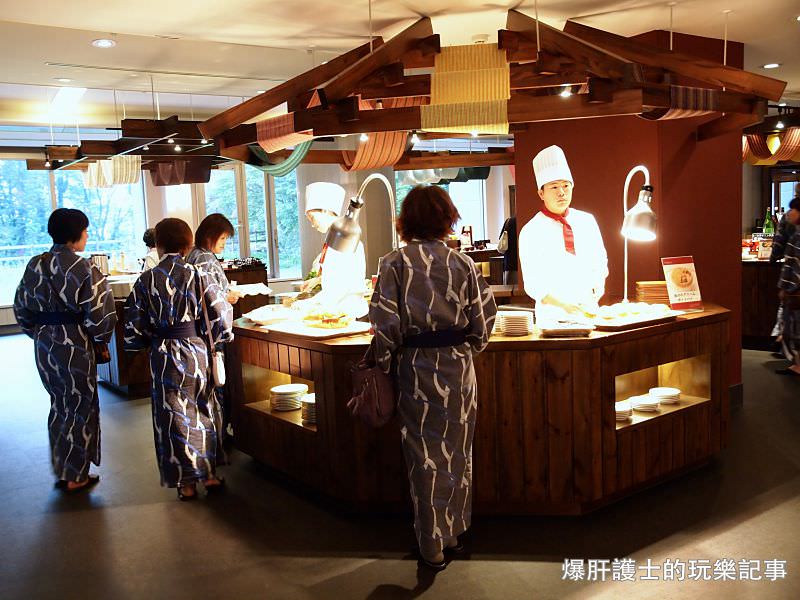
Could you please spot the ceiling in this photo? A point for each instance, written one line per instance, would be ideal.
(235, 48)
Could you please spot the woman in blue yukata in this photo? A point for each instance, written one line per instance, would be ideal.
(209, 242)
(432, 312)
(165, 314)
(64, 303)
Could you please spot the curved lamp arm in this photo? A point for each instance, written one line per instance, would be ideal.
(392, 206)
(631, 173)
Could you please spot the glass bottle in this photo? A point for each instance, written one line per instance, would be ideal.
(769, 227)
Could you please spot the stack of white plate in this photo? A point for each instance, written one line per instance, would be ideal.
(515, 322)
(624, 410)
(287, 396)
(309, 409)
(645, 403)
(666, 395)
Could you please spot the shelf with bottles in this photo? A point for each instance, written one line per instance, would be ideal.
(257, 383)
(692, 376)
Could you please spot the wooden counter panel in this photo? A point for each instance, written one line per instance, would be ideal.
(485, 451)
(534, 426)
(587, 421)
(558, 398)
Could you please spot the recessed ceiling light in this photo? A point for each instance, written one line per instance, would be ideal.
(779, 125)
(104, 43)
(146, 148)
(204, 141)
(771, 66)
(566, 93)
(170, 141)
(62, 79)
(178, 148)
(782, 104)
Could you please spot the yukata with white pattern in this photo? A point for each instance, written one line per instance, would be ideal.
(423, 287)
(187, 418)
(208, 262)
(62, 282)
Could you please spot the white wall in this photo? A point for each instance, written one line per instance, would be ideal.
(751, 197)
(497, 200)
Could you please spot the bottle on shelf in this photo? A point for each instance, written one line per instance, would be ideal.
(769, 227)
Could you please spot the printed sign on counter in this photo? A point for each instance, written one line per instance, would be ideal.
(682, 284)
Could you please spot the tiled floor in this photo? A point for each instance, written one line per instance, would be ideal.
(129, 538)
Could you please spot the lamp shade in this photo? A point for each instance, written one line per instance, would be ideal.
(324, 196)
(345, 232)
(639, 223)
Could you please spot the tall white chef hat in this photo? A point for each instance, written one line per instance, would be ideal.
(551, 165)
(324, 196)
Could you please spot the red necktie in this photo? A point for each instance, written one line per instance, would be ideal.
(569, 237)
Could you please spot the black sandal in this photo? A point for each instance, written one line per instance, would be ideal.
(457, 549)
(91, 481)
(433, 566)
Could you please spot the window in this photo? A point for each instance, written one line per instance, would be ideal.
(117, 217)
(25, 205)
(470, 200)
(287, 217)
(220, 194)
(257, 215)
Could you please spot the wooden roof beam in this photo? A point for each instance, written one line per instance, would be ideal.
(249, 109)
(392, 51)
(153, 129)
(729, 123)
(702, 70)
(598, 60)
(526, 109)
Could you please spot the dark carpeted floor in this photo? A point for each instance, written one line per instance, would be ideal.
(130, 538)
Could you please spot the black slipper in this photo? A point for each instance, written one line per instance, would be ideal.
(433, 566)
(787, 372)
(90, 482)
(215, 488)
(457, 549)
(778, 355)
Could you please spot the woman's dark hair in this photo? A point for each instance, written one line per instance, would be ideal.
(427, 213)
(149, 237)
(66, 225)
(173, 235)
(794, 203)
(211, 228)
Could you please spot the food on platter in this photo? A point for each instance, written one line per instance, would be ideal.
(327, 320)
(633, 311)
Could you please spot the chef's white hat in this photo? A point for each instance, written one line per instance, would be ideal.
(323, 195)
(551, 165)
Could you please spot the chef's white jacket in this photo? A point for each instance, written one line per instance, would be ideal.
(547, 268)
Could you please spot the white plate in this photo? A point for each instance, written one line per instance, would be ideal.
(665, 392)
(290, 388)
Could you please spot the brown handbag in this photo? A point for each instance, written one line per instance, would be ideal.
(374, 400)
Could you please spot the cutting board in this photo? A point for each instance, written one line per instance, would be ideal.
(302, 330)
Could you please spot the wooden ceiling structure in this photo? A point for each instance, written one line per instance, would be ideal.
(616, 75)
(610, 75)
(148, 138)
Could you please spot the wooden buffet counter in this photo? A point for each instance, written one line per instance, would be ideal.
(759, 302)
(546, 440)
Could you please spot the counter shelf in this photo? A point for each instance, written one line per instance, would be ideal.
(547, 440)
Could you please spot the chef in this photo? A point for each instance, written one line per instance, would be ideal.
(341, 276)
(563, 259)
